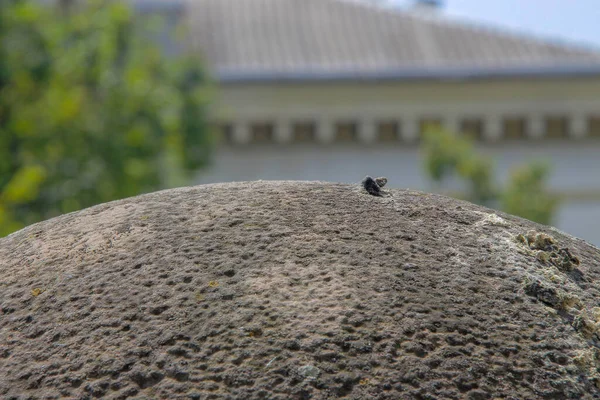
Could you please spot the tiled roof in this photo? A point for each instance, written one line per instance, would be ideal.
(337, 39)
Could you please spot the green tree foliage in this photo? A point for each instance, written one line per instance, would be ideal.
(90, 110)
(447, 154)
(526, 194)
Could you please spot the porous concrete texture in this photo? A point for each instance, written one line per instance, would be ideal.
(296, 290)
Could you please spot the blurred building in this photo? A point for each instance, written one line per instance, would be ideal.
(336, 89)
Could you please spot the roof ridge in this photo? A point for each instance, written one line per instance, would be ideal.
(470, 23)
(501, 30)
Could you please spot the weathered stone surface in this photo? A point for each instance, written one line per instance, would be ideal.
(229, 291)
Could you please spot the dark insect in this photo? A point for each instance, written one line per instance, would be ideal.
(373, 186)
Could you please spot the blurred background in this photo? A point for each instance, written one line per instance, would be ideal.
(494, 102)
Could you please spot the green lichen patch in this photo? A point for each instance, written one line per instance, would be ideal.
(585, 322)
(587, 326)
(547, 251)
(564, 260)
(540, 241)
(544, 293)
(551, 296)
(588, 362)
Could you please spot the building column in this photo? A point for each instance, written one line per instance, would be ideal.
(325, 131)
(535, 127)
(409, 129)
(577, 126)
(240, 132)
(283, 131)
(452, 124)
(367, 131)
(492, 129)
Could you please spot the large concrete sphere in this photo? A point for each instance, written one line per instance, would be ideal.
(296, 290)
